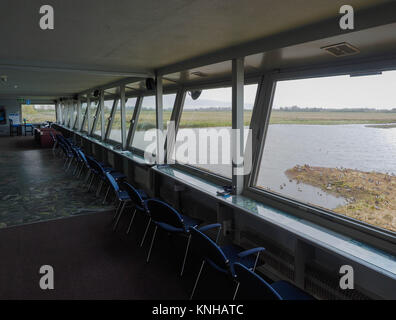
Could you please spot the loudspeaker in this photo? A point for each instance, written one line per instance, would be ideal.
(195, 94)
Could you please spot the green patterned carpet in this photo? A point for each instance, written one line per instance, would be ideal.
(34, 186)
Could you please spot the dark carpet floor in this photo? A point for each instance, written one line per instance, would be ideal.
(34, 187)
(92, 262)
(46, 218)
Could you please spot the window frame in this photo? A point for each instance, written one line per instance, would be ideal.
(135, 118)
(196, 171)
(356, 229)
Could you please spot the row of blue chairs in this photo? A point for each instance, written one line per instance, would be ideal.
(238, 265)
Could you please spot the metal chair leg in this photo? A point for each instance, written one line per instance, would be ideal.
(196, 281)
(145, 232)
(86, 179)
(119, 216)
(80, 171)
(152, 243)
(90, 184)
(99, 188)
(107, 193)
(118, 208)
(76, 169)
(70, 162)
(185, 255)
(130, 223)
(236, 291)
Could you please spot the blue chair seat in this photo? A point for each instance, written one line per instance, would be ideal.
(123, 196)
(143, 194)
(188, 222)
(290, 292)
(232, 253)
(118, 175)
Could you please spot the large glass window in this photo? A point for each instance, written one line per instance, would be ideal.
(107, 105)
(331, 143)
(147, 120)
(115, 133)
(94, 108)
(83, 116)
(204, 135)
(74, 117)
(38, 113)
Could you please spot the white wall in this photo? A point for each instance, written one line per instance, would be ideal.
(10, 105)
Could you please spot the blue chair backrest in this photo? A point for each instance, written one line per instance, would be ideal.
(83, 158)
(95, 165)
(113, 183)
(133, 194)
(209, 250)
(252, 286)
(74, 150)
(162, 212)
(52, 136)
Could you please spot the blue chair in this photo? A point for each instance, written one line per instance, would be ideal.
(223, 258)
(84, 164)
(28, 126)
(121, 196)
(168, 219)
(64, 146)
(138, 199)
(253, 287)
(99, 169)
(54, 141)
(14, 128)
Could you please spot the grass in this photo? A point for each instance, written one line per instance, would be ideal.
(37, 116)
(212, 118)
(331, 118)
(371, 196)
(205, 118)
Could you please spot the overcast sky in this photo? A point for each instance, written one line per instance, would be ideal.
(376, 91)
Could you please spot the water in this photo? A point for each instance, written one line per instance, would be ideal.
(353, 146)
(343, 146)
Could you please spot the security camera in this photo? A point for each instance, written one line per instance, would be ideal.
(3, 78)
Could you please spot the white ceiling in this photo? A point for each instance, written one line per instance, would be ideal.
(127, 36)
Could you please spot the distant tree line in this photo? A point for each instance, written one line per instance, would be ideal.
(306, 109)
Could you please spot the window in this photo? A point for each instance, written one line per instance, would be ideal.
(147, 119)
(38, 113)
(94, 108)
(331, 143)
(74, 117)
(115, 133)
(107, 105)
(84, 116)
(204, 135)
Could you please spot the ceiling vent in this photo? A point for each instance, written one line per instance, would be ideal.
(341, 49)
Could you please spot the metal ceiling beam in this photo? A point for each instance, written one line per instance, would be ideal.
(111, 85)
(364, 19)
(108, 73)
